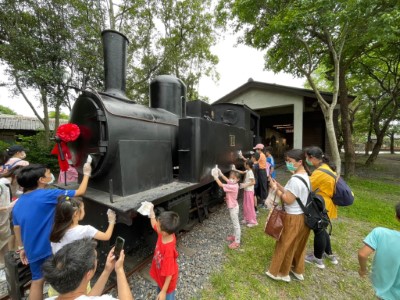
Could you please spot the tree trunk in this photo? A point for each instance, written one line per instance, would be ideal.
(392, 143)
(377, 147)
(27, 100)
(336, 124)
(330, 130)
(57, 116)
(111, 15)
(349, 153)
(369, 142)
(327, 110)
(43, 94)
(370, 128)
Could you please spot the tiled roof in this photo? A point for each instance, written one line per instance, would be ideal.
(11, 122)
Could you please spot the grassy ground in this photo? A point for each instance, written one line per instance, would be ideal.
(377, 190)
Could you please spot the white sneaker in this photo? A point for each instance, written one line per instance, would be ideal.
(297, 276)
(310, 258)
(283, 278)
(272, 276)
(332, 258)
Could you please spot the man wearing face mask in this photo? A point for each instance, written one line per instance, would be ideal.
(33, 217)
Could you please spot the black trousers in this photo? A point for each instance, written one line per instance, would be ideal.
(262, 184)
(322, 243)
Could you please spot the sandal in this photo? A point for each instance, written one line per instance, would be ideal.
(230, 238)
(234, 245)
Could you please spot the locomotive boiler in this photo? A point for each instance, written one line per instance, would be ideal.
(162, 153)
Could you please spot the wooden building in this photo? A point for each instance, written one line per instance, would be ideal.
(11, 126)
(289, 117)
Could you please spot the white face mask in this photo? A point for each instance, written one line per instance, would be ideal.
(52, 179)
(232, 180)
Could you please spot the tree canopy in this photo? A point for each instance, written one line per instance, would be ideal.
(53, 46)
(301, 36)
(48, 46)
(167, 37)
(377, 77)
(6, 111)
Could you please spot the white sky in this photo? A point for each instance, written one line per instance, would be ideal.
(236, 65)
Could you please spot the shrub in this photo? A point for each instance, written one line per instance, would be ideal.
(39, 152)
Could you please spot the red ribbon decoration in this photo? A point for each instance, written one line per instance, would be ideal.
(66, 133)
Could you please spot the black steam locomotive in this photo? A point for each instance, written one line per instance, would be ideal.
(162, 154)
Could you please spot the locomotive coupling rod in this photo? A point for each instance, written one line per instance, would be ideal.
(110, 189)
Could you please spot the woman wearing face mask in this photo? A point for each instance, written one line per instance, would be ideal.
(324, 185)
(290, 250)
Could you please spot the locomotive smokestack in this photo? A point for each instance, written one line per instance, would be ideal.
(114, 48)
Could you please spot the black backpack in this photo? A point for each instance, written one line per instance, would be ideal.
(315, 214)
(343, 196)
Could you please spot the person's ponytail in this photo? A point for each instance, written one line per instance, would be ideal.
(65, 210)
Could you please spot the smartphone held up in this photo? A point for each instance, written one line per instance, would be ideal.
(119, 245)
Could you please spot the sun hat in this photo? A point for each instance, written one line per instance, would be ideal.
(14, 149)
(259, 146)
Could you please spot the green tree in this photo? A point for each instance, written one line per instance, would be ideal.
(53, 46)
(301, 36)
(378, 74)
(6, 111)
(393, 130)
(39, 151)
(49, 46)
(52, 115)
(166, 37)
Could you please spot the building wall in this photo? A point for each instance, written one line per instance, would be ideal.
(260, 99)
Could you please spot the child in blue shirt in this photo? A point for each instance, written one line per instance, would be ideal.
(33, 217)
(271, 161)
(385, 274)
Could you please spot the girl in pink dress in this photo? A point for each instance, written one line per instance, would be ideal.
(249, 213)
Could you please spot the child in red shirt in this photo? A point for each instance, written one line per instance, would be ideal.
(164, 267)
